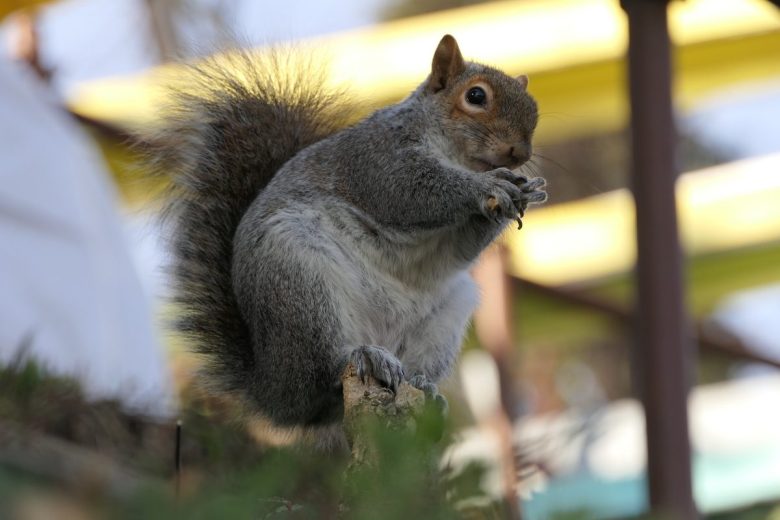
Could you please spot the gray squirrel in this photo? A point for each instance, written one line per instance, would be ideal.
(299, 248)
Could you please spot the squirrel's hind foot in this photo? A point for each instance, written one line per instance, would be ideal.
(378, 363)
(432, 395)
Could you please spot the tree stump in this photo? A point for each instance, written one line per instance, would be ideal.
(370, 401)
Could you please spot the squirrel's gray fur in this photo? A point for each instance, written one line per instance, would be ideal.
(298, 248)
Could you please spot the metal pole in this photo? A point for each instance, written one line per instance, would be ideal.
(662, 359)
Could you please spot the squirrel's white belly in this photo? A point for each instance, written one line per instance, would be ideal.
(415, 321)
(376, 308)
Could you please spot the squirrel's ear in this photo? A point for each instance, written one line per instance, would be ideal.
(523, 79)
(447, 64)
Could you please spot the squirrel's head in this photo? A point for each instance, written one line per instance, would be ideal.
(488, 116)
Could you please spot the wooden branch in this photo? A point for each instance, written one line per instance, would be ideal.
(708, 335)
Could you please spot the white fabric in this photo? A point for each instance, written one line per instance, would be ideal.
(66, 278)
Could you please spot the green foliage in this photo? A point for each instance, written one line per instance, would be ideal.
(226, 474)
(405, 482)
(31, 396)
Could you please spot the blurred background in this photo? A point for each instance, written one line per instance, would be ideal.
(547, 366)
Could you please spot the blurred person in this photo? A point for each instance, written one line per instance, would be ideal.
(70, 297)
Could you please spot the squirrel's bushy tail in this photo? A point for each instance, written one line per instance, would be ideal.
(231, 122)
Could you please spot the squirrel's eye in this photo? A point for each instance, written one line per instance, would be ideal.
(476, 96)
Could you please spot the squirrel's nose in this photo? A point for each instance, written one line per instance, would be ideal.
(520, 153)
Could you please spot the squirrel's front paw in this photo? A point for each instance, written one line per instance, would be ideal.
(376, 362)
(502, 197)
(534, 190)
(509, 194)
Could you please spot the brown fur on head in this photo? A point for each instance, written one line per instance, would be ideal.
(489, 115)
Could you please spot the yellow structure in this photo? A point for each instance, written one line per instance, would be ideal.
(572, 50)
(723, 207)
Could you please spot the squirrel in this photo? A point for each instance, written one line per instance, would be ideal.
(300, 246)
